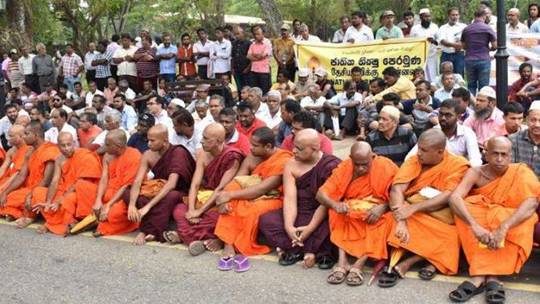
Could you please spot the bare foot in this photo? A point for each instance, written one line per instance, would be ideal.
(172, 237)
(42, 229)
(213, 245)
(309, 260)
(228, 251)
(23, 222)
(279, 252)
(150, 238)
(140, 239)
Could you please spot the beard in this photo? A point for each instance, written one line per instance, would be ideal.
(482, 114)
(425, 23)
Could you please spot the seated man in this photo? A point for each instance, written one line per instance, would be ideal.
(395, 83)
(112, 122)
(345, 107)
(233, 138)
(300, 229)
(423, 223)
(151, 203)
(314, 102)
(59, 118)
(14, 159)
(513, 114)
(495, 206)
(185, 132)
(216, 166)
(139, 140)
(36, 171)
(421, 107)
(289, 107)
(358, 231)
(120, 165)
(304, 120)
(240, 206)
(88, 129)
(72, 190)
(247, 122)
(524, 90)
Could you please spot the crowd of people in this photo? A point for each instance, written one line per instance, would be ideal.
(435, 166)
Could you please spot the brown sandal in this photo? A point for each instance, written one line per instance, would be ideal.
(337, 276)
(355, 277)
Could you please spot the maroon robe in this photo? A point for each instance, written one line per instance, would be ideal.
(272, 225)
(176, 159)
(213, 173)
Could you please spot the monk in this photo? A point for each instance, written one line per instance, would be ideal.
(423, 223)
(15, 158)
(72, 191)
(216, 166)
(172, 170)
(120, 165)
(358, 231)
(240, 206)
(37, 171)
(495, 216)
(300, 229)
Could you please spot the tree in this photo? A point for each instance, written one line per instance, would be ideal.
(272, 16)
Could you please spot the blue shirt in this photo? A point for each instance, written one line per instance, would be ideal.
(167, 66)
(129, 118)
(535, 27)
(138, 142)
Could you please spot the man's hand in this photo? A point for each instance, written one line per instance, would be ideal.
(104, 213)
(481, 234)
(224, 208)
(54, 206)
(193, 216)
(341, 207)
(3, 199)
(222, 198)
(28, 202)
(144, 210)
(497, 238)
(404, 212)
(375, 213)
(97, 207)
(133, 214)
(402, 232)
(303, 232)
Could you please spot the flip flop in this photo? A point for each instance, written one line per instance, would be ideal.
(167, 237)
(325, 262)
(387, 280)
(465, 292)
(289, 258)
(495, 293)
(196, 248)
(426, 273)
(225, 264)
(241, 263)
(355, 277)
(337, 276)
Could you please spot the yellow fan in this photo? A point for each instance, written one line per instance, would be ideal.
(397, 253)
(87, 221)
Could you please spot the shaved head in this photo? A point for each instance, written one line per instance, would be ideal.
(361, 149)
(215, 131)
(160, 131)
(16, 129)
(158, 138)
(498, 154)
(15, 135)
(308, 138)
(66, 144)
(117, 136)
(499, 142)
(431, 147)
(64, 137)
(361, 157)
(433, 138)
(22, 120)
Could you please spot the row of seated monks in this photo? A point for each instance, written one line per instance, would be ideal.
(309, 206)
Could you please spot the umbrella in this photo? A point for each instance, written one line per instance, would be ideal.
(397, 253)
(85, 223)
(376, 270)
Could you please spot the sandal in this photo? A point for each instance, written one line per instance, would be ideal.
(388, 279)
(337, 276)
(289, 258)
(495, 293)
(196, 248)
(355, 277)
(241, 263)
(465, 292)
(225, 264)
(325, 262)
(171, 237)
(427, 273)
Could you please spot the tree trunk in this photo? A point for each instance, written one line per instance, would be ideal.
(219, 6)
(272, 16)
(17, 18)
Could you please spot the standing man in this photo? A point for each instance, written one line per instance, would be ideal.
(388, 30)
(359, 31)
(71, 66)
(259, 54)
(111, 48)
(166, 54)
(201, 50)
(514, 26)
(450, 38)
(88, 59)
(284, 53)
(146, 63)
(102, 63)
(407, 23)
(43, 68)
(478, 39)
(344, 22)
(221, 55)
(123, 57)
(240, 63)
(25, 66)
(186, 59)
(428, 29)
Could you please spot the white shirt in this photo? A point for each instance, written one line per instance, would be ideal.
(126, 67)
(52, 134)
(100, 139)
(463, 143)
(519, 29)
(431, 32)
(221, 55)
(274, 120)
(441, 94)
(358, 35)
(129, 93)
(310, 38)
(65, 108)
(198, 47)
(341, 99)
(164, 119)
(192, 144)
(88, 58)
(201, 124)
(90, 96)
(263, 113)
(5, 124)
(338, 36)
(25, 64)
(451, 34)
(309, 102)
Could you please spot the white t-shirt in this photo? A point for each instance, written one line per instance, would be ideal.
(431, 32)
(341, 100)
(198, 47)
(309, 102)
(126, 67)
(358, 35)
(52, 134)
(222, 58)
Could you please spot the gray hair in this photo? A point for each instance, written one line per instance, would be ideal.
(39, 46)
(201, 103)
(219, 98)
(257, 91)
(274, 94)
(447, 63)
(115, 116)
(303, 27)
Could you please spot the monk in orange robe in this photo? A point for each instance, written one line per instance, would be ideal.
(37, 171)
(73, 188)
(419, 202)
(240, 208)
(120, 165)
(15, 158)
(495, 217)
(358, 231)
(216, 166)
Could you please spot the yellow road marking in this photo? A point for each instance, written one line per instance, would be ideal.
(273, 258)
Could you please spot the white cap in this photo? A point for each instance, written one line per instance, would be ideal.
(178, 102)
(535, 105)
(320, 72)
(488, 92)
(424, 11)
(303, 72)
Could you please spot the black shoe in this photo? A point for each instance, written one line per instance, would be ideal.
(289, 258)
(325, 262)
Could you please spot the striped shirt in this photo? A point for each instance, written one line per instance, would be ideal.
(147, 69)
(524, 150)
(396, 148)
(103, 70)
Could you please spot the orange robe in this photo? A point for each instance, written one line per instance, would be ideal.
(122, 172)
(349, 231)
(2, 155)
(240, 226)
(431, 238)
(491, 205)
(36, 169)
(17, 161)
(82, 171)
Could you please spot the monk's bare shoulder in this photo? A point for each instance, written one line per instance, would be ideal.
(252, 161)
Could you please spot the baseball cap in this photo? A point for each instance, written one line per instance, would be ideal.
(285, 26)
(147, 118)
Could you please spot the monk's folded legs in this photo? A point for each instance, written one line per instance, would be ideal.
(202, 231)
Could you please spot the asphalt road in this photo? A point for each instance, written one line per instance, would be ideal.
(80, 269)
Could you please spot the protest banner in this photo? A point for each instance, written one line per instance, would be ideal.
(372, 57)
